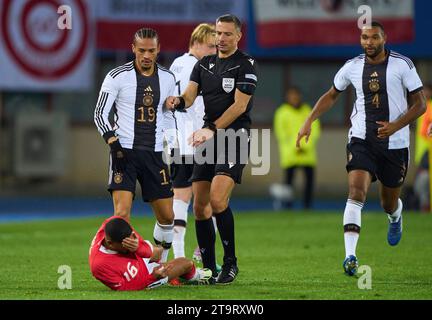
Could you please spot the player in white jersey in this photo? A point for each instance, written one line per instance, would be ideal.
(202, 43)
(379, 135)
(137, 91)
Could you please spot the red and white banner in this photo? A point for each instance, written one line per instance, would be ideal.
(37, 50)
(281, 23)
(174, 20)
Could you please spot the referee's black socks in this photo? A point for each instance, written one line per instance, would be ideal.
(206, 238)
(225, 224)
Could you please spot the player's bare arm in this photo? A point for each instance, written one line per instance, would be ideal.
(324, 103)
(239, 106)
(157, 253)
(188, 96)
(161, 271)
(417, 108)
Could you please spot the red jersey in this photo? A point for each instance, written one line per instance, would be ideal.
(120, 271)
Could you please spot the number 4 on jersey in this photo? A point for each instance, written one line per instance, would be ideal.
(375, 100)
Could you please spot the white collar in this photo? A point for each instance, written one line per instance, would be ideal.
(107, 251)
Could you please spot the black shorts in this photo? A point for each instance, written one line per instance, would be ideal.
(228, 161)
(149, 169)
(181, 172)
(389, 166)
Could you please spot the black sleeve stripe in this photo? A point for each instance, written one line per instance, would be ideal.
(168, 71)
(98, 106)
(99, 111)
(361, 56)
(99, 117)
(164, 69)
(407, 60)
(121, 71)
(115, 70)
(123, 67)
(398, 55)
(416, 90)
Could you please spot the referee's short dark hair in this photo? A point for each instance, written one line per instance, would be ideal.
(230, 18)
(117, 229)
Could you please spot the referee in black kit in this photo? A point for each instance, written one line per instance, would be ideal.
(227, 82)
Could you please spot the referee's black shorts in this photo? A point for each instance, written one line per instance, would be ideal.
(389, 166)
(149, 169)
(228, 161)
(181, 172)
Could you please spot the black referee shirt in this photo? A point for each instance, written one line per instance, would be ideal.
(218, 79)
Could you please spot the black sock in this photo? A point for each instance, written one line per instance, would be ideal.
(206, 238)
(225, 224)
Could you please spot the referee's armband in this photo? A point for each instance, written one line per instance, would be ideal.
(247, 83)
(247, 87)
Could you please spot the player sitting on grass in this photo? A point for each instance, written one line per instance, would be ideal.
(122, 260)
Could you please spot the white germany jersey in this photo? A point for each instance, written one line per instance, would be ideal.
(192, 119)
(140, 118)
(381, 95)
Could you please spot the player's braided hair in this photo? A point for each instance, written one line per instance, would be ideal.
(146, 33)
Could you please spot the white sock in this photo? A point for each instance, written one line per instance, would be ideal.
(163, 234)
(196, 276)
(180, 215)
(352, 217)
(351, 239)
(180, 209)
(178, 242)
(394, 217)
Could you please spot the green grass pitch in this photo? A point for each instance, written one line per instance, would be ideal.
(282, 255)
